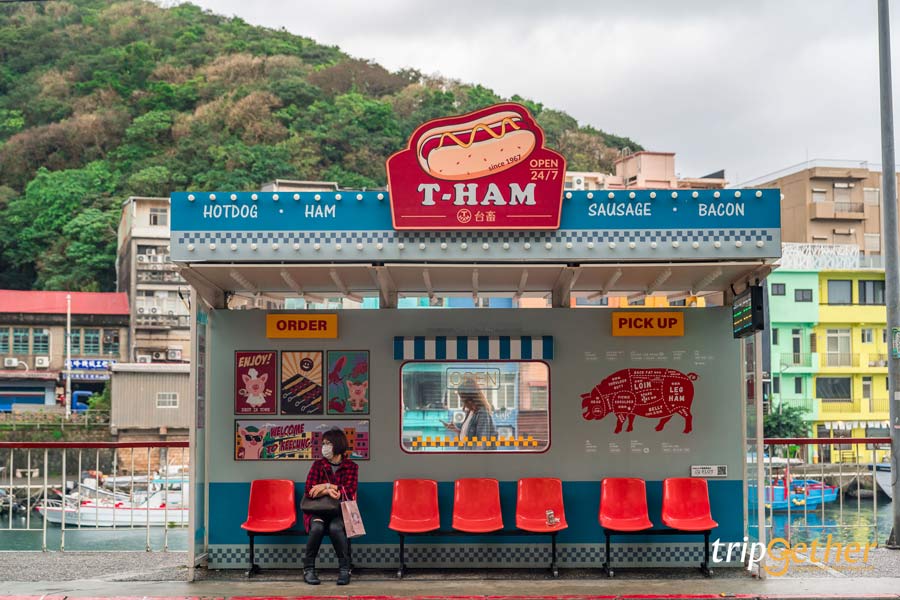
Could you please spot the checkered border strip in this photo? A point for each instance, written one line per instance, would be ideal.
(456, 237)
(476, 555)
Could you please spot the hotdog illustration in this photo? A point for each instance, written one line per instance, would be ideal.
(651, 393)
(489, 143)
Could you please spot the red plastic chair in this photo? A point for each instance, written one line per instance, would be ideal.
(414, 508)
(623, 504)
(271, 509)
(623, 508)
(536, 496)
(685, 507)
(476, 506)
(685, 504)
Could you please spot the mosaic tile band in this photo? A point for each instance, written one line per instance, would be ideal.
(450, 555)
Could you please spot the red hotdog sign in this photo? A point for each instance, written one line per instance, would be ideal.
(484, 170)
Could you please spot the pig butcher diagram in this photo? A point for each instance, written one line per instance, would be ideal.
(652, 393)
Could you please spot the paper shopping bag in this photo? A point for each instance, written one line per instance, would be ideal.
(353, 523)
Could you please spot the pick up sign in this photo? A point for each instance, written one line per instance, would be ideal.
(484, 170)
(647, 324)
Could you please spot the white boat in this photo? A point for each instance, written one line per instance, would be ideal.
(883, 478)
(163, 508)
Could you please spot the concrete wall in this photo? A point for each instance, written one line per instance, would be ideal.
(581, 453)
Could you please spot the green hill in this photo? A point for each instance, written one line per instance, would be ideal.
(100, 100)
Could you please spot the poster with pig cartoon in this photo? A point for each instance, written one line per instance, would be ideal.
(255, 383)
(348, 382)
(296, 439)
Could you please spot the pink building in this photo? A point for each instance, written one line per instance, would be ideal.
(643, 170)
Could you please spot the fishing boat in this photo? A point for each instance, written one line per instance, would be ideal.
(161, 509)
(800, 494)
(883, 478)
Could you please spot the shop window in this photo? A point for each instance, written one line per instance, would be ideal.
(871, 291)
(866, 337)
(91, 342)
(877, 432)
(779, 289)
(803, 295)
(40, 341)
(438, 402)
(111, 342)
(840, 291)
(21, 340)
(4, 340)
(166, 399)
(833, 389)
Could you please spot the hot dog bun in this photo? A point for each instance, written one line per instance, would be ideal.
(455, 152)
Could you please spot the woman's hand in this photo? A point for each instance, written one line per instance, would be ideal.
(317, 490)
(334, 493)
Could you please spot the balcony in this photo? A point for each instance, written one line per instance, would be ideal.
(876, 361)
(796, 359)
(839, 211)
(839, 359)
(839, 406)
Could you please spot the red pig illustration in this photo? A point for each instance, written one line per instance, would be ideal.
(651, 393)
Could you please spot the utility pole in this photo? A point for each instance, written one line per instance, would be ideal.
(68, 355)
(891, 265)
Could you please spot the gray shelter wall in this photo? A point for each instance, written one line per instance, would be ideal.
(585, 353)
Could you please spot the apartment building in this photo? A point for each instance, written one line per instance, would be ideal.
(160, 316)
(829, 351)
(643, 170)
(830, 202)
(33, 343)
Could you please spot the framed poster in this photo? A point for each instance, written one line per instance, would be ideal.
(301, 383)
(348, 382)
(295, 439)
(255, 383)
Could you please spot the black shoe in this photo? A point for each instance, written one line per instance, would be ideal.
(344, 571)
(310, 576)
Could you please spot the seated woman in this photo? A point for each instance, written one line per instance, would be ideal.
(331, 475)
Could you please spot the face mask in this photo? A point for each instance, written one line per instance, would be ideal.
(327, 451)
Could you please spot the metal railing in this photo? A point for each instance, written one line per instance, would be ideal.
(877, 360)
(849, 207)
(840, 500)
(796, 359)
(59, 487)
(840, 359)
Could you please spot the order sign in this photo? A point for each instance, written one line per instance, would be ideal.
(647, 324)
(302, 326)
(484, 170)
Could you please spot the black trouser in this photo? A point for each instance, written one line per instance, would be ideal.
(334, 526)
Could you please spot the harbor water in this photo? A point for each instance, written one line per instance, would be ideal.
(87, 539)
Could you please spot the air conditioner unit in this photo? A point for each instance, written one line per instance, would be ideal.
(159, 356)
(42, 362)
(173, 354)
(10, 361)
(578, 183)
(141, 258)
(143, 358)
(154, 310)
(171, 313)
(140, 310)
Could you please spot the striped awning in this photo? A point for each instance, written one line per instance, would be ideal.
(483, 347)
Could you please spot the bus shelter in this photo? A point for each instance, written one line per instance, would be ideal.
(269, 382)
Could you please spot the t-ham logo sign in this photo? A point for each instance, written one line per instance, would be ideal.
(484, 170)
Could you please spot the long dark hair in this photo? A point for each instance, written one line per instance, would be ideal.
(470, 393)
(339, 441)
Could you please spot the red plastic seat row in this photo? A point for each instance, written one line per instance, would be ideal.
(476, 509)
(685, 508)
(476, 506)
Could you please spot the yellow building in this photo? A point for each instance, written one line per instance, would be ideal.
(851, 342)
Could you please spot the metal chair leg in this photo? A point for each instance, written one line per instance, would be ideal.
(554, 569)
(704, 566)
(402, 570)
(254, 568)
(607, 564)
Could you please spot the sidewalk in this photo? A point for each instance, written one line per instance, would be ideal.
(139, 574)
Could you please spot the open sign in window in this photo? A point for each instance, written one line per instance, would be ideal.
(491, 406)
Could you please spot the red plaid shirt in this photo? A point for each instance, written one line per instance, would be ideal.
(345, 477)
